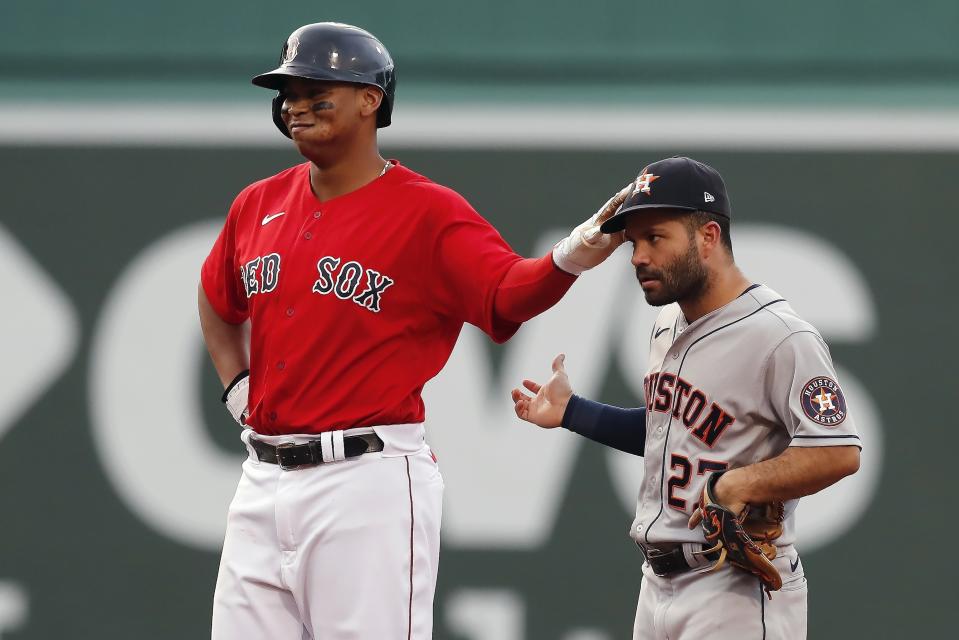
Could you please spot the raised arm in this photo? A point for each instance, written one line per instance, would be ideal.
(533, 285)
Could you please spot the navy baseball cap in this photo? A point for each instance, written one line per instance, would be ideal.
(674, 183)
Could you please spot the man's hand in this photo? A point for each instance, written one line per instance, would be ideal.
(746, 541)
(547, 407)
(726, 495)
(236, 397)
(587, 246)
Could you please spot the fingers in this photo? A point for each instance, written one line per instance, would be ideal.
(532, 386)
(620, 197)
(519, 396)
(697, 516)
(614, 203)
(695, 519)
(608, 212)
(521, 404)
(558, 363)
(522, 411)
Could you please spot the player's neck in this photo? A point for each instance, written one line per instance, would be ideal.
(330, 178)
(724, 286)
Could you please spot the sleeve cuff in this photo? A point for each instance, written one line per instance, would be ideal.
(226, 392)
(581, 414)
(217, 302)
(564, 264)
(826, 441)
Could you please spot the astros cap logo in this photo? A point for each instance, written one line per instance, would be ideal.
(643, 182)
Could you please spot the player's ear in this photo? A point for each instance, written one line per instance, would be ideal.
(711, 234)
(370, 98)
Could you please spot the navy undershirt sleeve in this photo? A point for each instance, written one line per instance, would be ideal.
(623, 429)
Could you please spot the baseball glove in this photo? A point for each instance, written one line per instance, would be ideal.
(745, 539)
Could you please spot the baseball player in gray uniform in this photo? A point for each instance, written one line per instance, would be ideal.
(741, 397)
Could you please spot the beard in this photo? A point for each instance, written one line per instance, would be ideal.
(684, 278)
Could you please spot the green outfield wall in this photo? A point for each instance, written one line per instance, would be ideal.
(117, 462)
(77, 49)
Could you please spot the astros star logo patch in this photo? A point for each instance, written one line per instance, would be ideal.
(643, 182)
(823, 402)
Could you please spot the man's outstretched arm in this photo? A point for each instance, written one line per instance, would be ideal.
(533, 285)
(623, 429)
(555, 405)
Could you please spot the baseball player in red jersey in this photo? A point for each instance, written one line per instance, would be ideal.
(335, 291)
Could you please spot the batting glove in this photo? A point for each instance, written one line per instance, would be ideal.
(587, 246)
(236, 397)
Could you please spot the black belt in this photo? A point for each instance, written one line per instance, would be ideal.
(309, 454)
(668, 560)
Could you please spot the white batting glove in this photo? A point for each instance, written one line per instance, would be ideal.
(587, 246)
(236, 398)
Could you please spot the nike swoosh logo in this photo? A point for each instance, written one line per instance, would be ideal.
(792, 567)
(267, 219)
(661, 332)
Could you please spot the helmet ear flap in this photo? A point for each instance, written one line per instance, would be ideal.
(277, 117)
(385, 112)
(383, 116)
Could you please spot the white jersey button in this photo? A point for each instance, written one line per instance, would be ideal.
(317, 214)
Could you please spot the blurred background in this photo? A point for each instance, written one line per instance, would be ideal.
(126, 128)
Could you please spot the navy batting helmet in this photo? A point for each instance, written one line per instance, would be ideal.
(335, 52)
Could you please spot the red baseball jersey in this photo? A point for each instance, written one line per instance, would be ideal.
(355, 302)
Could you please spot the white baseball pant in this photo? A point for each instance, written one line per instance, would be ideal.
(340, 551)
(726, 604)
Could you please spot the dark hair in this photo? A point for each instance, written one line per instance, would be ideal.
(697, 219)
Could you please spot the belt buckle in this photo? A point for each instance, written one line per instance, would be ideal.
(279, 457)
(652, 554)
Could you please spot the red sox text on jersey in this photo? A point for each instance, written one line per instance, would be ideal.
(262, 274)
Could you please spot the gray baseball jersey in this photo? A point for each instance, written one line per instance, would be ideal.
(733, 388)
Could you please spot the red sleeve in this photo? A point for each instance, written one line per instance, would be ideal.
(469, 261)
(220, 274)
(530, 287)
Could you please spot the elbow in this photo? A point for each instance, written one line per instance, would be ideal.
(848, 462)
